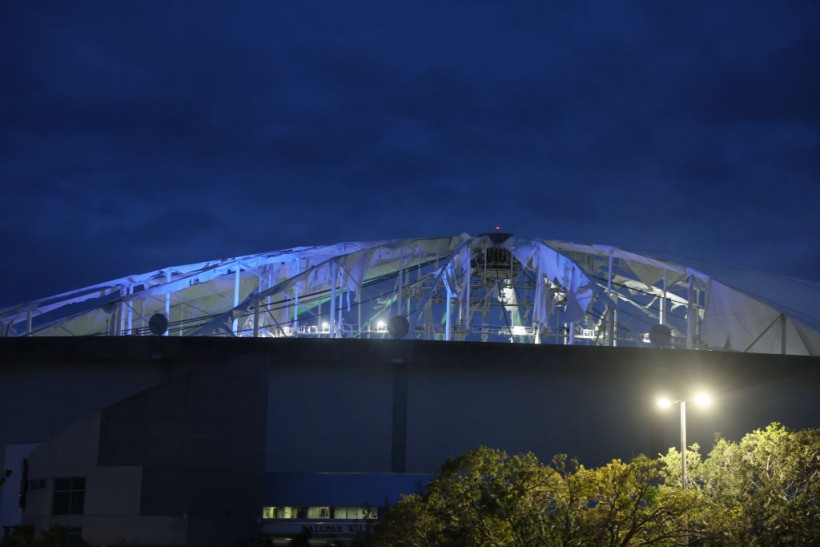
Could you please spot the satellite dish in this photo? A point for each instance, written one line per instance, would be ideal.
(158, 324)
(660, 336)
(397, 326)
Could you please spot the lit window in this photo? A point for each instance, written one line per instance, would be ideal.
(69, 496)
(353, 513)
(283, 512)
(318, 512)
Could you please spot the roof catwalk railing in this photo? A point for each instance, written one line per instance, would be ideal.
(493, 287)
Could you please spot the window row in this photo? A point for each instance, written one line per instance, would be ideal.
(316, 512)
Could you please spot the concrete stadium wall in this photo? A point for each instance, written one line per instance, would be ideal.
(383, 405)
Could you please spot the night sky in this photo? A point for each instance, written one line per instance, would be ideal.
(137, 135)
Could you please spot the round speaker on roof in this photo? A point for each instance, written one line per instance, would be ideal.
(397, 326)
(158, 324)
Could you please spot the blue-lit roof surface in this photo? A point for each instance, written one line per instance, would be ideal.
(491, 287)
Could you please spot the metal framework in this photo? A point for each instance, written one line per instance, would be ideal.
(492, 287)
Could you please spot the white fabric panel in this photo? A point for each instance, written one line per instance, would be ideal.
(579, 288)
(737, 322)
(355, 269)
(653, 276)
(649, 261)
(809, 337)
(557, 267)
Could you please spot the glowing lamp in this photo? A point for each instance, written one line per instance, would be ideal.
(703, 399)
(664, 402)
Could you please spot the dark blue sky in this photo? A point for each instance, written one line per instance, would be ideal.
(137, 135)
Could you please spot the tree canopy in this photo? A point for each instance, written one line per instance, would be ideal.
(762, 490)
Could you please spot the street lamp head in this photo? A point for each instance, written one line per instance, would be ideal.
(664, 402)
(703, 399)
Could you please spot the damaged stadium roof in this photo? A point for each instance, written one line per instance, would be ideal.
(493, 287)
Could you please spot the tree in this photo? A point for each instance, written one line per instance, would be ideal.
(4, 475)
(56, 536)
(486, 497)
(627, 506)
(763, 490)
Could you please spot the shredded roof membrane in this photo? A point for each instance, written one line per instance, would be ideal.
(492, 287)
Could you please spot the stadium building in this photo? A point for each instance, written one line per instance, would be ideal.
(301, 392)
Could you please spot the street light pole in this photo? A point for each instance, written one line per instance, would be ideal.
(683, 444)
(683, 466)
(700, 399)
